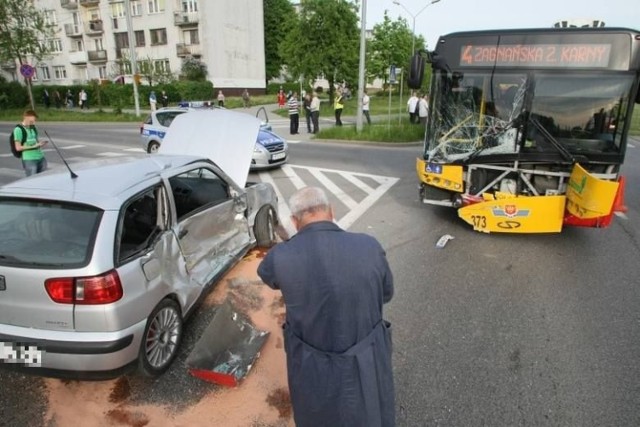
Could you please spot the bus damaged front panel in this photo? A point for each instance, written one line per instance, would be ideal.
(505, 149)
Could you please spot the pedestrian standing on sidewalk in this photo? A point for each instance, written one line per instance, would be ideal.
(338, 106)
(365, 106)
(220, 99)
(306, 106)
(315, 112)
(294, 113)
(246, 98)
(281, 98)
(164, 99)
(153, 101)
(423, 109)
(84, 100)
(338, 345)
(412, 105)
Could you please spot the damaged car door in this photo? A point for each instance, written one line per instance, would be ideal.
(211, 227)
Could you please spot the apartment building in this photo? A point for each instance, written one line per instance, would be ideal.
(92, 42)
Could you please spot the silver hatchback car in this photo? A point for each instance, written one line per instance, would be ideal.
(98, 272)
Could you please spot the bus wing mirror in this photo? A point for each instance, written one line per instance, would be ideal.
(416, 71)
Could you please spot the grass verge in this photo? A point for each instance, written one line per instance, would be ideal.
(376, 132)
(64, 115)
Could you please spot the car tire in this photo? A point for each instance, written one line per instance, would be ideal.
(161, 339)
(153, 147)
(264, 227)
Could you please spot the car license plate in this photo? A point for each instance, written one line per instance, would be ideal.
(278, 156)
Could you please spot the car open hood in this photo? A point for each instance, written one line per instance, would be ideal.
(225, 137)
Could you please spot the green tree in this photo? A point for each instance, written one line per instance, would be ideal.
(390, 44)
(193, 69)
(279, 15)
(23, 34)
(325, 40)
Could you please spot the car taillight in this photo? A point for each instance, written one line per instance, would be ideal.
(103, 289)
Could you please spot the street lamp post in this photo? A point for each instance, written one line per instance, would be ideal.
(413, 31)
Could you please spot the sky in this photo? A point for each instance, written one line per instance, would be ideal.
(448, 16)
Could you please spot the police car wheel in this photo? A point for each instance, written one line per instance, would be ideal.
(153, 147)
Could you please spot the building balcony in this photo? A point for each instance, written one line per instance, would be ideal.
(89, 2)
(184, 49)
(78, 57)
(69, 4)
(95, 27)
(72, 30)
(97, 55)
(184, 19)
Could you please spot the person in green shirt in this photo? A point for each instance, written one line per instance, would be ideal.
(33, 160)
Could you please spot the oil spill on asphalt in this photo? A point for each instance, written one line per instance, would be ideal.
(280, 400)
(121, 390)
(127, 418)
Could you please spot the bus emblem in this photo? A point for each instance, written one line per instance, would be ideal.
(510, 211)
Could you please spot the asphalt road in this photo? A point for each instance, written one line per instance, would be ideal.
(492, 330)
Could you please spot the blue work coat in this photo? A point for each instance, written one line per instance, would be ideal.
(334, 284)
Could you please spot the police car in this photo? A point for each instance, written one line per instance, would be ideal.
(270, 150)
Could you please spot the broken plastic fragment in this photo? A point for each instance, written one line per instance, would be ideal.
(442, 241)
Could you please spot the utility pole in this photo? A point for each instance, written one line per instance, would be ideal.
(132, 55)
(363, 50)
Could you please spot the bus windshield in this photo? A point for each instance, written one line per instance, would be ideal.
(494, 112)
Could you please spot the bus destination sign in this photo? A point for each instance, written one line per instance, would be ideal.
(536, 55)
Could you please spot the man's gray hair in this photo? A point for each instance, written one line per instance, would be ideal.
(308, 199)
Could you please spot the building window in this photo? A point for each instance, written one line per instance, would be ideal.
(158, 36)
(117, 10)
(77, 46)
(50, 17)
(139, 38)
(59, 72)
(94, 15)
(34, 78)
(122, 40)
(102, 72)
(54, 45)
(191, 37)
(189, 5)
(162, 66)
(44, 72)
(155, 6)
(136, 8)
(98, 44)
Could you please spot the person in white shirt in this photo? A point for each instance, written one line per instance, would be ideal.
(365, 106)
(315, 111)
(423, 109)
(412, 103)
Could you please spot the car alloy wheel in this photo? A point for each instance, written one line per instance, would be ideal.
(161, 338)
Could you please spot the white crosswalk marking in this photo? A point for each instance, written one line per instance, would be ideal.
(355, 209)
(110, 154)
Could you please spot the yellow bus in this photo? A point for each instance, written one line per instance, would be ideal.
(527, 129)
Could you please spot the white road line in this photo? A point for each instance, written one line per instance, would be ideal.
(17, 173)
(70, 147)
(376, 178)
(355, 181)
(341, 195)
(295, 179)
(631, 146)
(110, 154)
(293, 142)
(351, 217)
(283, 209)
(134, 150)
(621, 215)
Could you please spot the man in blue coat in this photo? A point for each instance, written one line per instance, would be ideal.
(338, 346)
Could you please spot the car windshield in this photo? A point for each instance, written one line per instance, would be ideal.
(485, 113)
(45, 234)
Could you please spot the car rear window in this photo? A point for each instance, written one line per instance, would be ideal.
(45, 234)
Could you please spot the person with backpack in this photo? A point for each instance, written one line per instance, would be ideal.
(26, 145)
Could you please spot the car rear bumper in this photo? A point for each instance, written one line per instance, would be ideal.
(70, 354)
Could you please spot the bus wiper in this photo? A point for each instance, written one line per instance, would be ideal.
(545, 133)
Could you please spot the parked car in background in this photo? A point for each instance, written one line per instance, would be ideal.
(98, 272)
(270, 150)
